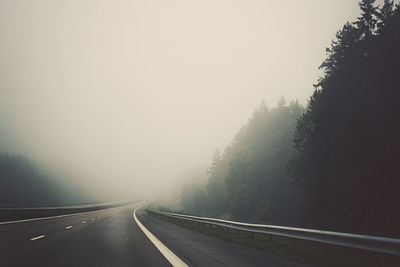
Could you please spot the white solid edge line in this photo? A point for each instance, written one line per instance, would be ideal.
(42, 218)
(166, 252)
(38, 237)
(58, 216)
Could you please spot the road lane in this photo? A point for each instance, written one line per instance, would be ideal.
(165, 251)
(107, 238)
(111, 237)
(198, 249)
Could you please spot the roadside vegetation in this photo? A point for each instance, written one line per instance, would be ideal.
(22, 184)
(333, 164)
(306, 252)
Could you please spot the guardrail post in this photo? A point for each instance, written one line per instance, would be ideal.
(378, 244)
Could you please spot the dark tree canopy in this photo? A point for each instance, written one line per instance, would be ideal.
(348, 140)
(335, 165)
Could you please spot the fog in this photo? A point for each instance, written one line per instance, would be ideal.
(131, 98)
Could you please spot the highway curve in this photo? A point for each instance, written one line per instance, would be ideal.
(103, 238)
(111, 237)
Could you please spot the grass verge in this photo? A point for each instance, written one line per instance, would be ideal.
(302, 251)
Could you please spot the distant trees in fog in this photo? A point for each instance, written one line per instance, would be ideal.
(23, 185)
(250, 179)
(333, 165)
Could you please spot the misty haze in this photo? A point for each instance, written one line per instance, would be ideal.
(199, 133)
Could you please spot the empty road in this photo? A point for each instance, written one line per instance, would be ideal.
(111, 237)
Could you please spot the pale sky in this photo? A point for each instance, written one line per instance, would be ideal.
(127, 96)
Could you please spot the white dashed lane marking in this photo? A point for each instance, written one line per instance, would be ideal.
(84, 222)
(68, 227)
(36, 238)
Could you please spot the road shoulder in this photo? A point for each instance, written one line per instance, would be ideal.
(198, 249)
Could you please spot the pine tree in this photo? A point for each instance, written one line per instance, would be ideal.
(366, 24)
(385, 13)
(348, 139)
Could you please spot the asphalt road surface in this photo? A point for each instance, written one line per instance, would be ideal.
(111, 237)
(197, 249)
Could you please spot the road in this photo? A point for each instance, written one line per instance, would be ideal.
(111, 237)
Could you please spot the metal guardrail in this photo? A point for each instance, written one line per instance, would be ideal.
(372, 243)
(11, 214)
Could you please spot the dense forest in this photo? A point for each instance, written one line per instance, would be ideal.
(334, 164)
(23, 185)
(250, 179)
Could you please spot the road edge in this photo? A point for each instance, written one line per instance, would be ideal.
(164, 250)
(57, 216)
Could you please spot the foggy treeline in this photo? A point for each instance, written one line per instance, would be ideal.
(23, 185)
(332, 165)
(250, 178)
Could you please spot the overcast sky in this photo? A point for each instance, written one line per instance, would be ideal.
(128, 96)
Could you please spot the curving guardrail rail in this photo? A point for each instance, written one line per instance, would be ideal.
(372, 243)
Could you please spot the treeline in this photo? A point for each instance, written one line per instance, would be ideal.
(23, 185)
(250, 181)
(334, 165)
